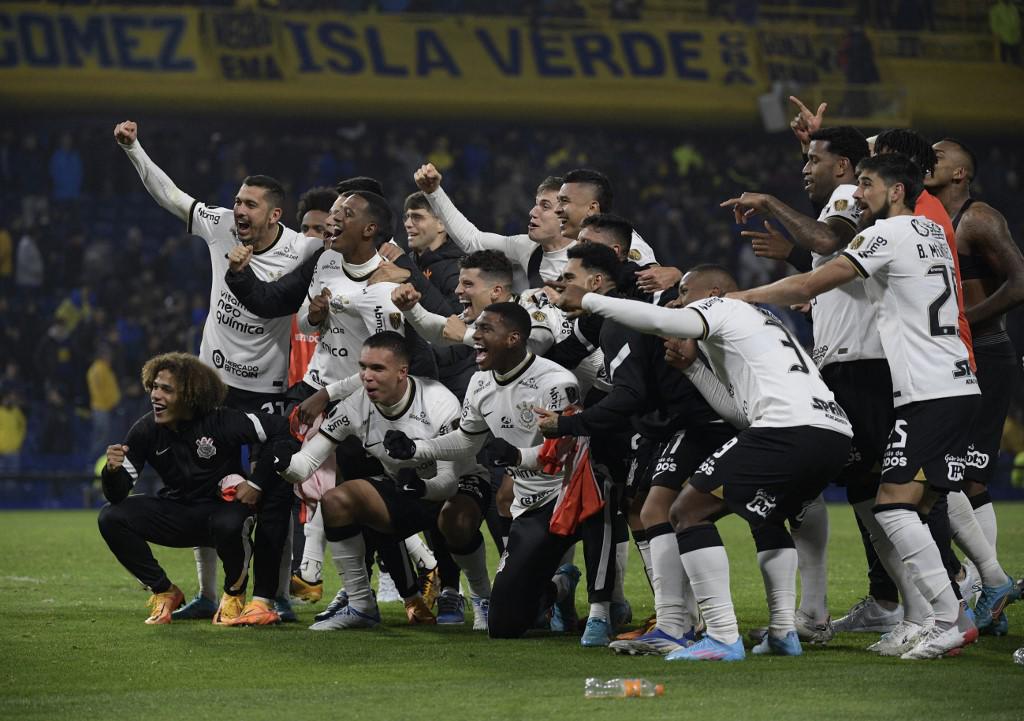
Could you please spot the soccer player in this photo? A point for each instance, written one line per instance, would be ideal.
(510, 384)
(910, 277)
(250, 353)
(763, 474)
(401, 501)
(195, 445)
(992, 275)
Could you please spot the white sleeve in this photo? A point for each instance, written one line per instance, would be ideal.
(311, 457)
(466, 235)
(716, 394)
(302, 318)
(444, 485)
(449, 447)
(156, 182)
(528, 458)
(647, 318)
(344, 388)
(430, 326)
(541, 339)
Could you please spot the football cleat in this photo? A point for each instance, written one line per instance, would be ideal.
(162, 605)
(451, 608)
(991, 603)
(788, 645)
(867, 616)
(199, 607)
(283, 608)
(387, 592)
(621, 613)
(563, 613)
(811, 632)
(649, 624)
(349, 617)
(899, 640)
(230, 608)
(481, 610)
(418, 612)
(708, 649)
(970, 584)
(999, 627)
(654, 643)
(305, 592)
(255, 613)
(339, 602)
(596, 634)
(430, 585)
(937, 642)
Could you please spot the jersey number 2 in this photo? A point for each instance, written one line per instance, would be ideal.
(933, 310)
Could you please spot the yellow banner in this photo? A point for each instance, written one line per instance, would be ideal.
(373, 64)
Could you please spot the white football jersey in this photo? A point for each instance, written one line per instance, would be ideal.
(432, 410)
(910, 278)
(505, 408)
(248, 352)
(639, 251)
(845, 328)
(357, 311)
(771, 378)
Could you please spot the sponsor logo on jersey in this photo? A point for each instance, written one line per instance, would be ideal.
(534, 499)
(926, 228)
(710, 302)
(832, 409)
(876, 244)
(573, 394)
(229, 313)
(337, 422)
(236, 369)
(205, 448)
(421, 417)
(205, 214)
(955, 468)
(332, 264)
(530, 382)
(975, 458)
(396, 320)
(762, 504)
(506, 422)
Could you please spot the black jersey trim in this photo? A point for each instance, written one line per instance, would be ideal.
(408, 405)
(704, 322)
(518, 375)
(280, 232)
(188, 223)
(856, 264)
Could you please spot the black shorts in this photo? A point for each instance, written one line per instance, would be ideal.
(676, 459)
(997, 379)
(929, 442)
(477, 486)
(864, 389)
(767, 475)
(253, 402)
(409, 515)
(638, 478)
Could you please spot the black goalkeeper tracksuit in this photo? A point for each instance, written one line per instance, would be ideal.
(189, 511)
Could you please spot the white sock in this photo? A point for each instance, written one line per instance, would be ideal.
(474, 565)
(916, 548)
(284, 576)
(600, 610)
(811, 540)
(350, 558)
(621, 559)
(562, 587)
(708, 571)
(986, 516)
(420, 553)
(778, 569)
(644, 548)
(915, 606)
(311, 567)
(668, 585)
(971, 539)
(206, 571)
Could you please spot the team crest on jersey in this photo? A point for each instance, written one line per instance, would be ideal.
(634, 254)
(539, 317)
(526, 416)
(841, 204)
(395, 319)
(857, 242)
(205, 448)
(762, 504)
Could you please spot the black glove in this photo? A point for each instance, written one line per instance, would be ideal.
(283, 451)
(410, 484)
(399, 446)
(502, 453)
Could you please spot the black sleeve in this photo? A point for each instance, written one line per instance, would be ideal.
(118, 484)
(626, 398)
(431, 298)
(273, 299)
(799, 258)
(585, 338)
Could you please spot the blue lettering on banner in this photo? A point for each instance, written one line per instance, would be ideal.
(510, 63)
(681, 54)
(592, 48)
(655, 67)
(431, 53)
(735, 58)
(380, 63)
(545, 50)
(88, 38)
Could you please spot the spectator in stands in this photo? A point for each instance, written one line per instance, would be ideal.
(28, 266)
(1004, 19)
(66, 175)
(30, 180)
(104, 398)
(13, 426)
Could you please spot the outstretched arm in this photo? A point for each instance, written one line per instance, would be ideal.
(161, 187)
(645, 317)
(797, 289)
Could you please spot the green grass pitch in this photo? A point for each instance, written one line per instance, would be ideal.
(73, 646)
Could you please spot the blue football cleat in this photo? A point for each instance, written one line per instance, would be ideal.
(349, 617)
(283, 607)
(339, 602)
(653, 643)
(596, 634)
(788, 645)
(991, 603)
(563, 613)
(199, 607)
(708, 649)
(451, 608)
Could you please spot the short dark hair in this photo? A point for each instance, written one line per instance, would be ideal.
(972, 171)
(514, 316)
(273, 189)
(360, 182)
(392, 341)
(320, 198)
(418, 201)
(620, 228)
(602, 186)
(552, 182)
(845, 141)
(596, 258)
(895, 168)
(380, 213)
(492, 264)
(198, 385)
(909, 143)
(721, 274)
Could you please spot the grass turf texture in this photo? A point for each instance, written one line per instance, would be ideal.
(74, 646)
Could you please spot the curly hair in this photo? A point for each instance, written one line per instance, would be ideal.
(199, 387)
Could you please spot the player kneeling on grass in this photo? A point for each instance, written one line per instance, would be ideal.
(402, 501)
(195, 445)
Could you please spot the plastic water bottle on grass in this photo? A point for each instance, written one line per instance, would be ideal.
(621, 688)
(1018, 657)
